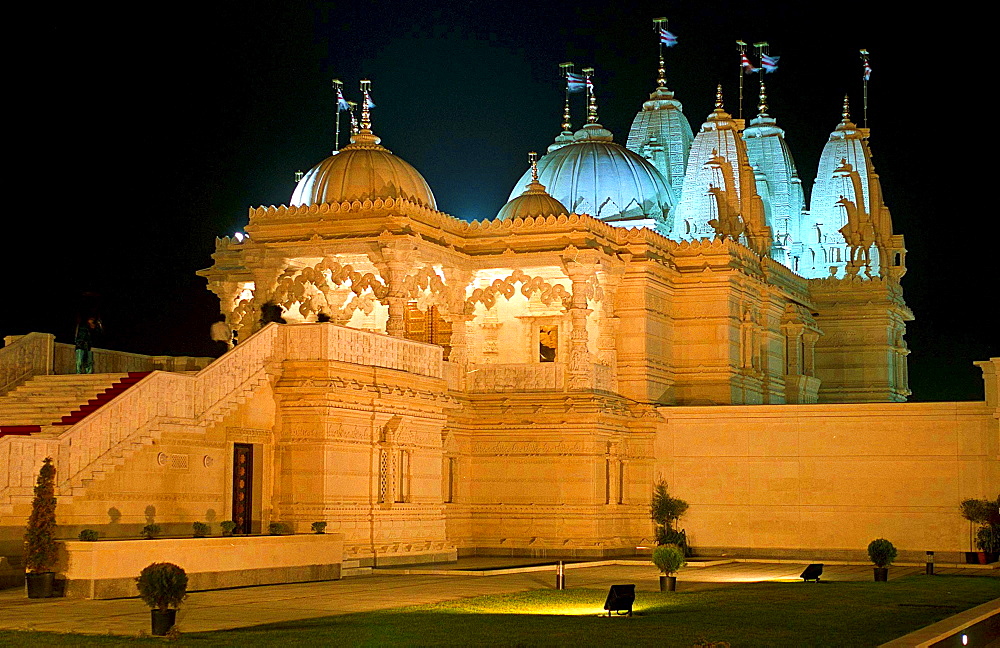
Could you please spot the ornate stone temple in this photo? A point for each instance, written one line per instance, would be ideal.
(517, 385)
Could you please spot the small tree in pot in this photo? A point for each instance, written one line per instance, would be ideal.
(986, 515)
(882, 553)
(40, 539)
(669, 558)
(162, 586)
(665, 512)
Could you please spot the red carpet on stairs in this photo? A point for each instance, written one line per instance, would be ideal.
(106, 396)
(19, 429)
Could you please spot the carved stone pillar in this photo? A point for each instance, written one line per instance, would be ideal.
(809, 352)
(580, 365)
(397, 259)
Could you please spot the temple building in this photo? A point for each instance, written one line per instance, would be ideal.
(516, 386)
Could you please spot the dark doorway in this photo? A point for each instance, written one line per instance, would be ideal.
(242, 486)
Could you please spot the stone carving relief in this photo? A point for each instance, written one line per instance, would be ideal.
(548, 293)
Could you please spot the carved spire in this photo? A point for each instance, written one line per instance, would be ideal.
(533, 161)
(718, 98)
(845, 113)
(366, 107)
(762, 100)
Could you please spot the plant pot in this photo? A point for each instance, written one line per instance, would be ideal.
(668, 583)
(971, 557)
(40, 585)
(986, 557)
(163, 620)
(881, 574)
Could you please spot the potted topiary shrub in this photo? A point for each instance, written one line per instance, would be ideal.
(665, 512)
(988, 542)
(40, 538)
(669, 558)
(88, 535)
(984, 514)
(201, 529)
(150, 531)
(882, 553)
(162, 586)
(278, 528)
(319, 527)
(227, 526)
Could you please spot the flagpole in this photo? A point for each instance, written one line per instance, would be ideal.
(660, 23)
(567, 69)
(763, 49)
(591, 98)
(336, 138)
(864, 59)
(743, 50)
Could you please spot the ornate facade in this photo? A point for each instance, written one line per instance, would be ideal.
(516, 385)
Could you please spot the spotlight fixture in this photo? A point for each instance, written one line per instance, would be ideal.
(812, 572)
(620, 599)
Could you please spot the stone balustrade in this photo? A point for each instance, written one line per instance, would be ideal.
(330, 342)
(538, 376)
(24, 356)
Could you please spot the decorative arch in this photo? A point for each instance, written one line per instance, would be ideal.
(529, 285)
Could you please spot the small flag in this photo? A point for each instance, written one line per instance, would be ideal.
(341, 102)
(770, 63)
(575, 82)
(748, 68)
(369, 104)
(868, 70)
(666, 38)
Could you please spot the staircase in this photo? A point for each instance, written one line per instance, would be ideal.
(47, 400)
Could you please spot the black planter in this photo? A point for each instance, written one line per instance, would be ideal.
(40, 585)
(163, 620)
(668, 583)
(881, 574)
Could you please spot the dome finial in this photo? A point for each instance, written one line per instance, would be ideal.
(718, 97)
(591, 98)
(762, 100)
(366, 107)
(661, 80)
(533, 161)
(845, 114)
(354, 118)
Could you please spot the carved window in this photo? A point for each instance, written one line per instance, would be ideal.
(548, 343)
(836, 255)
(621, 482)
(897, 259)
(383, 475)
(607, 481)
(403, 476)
(450, 480)
(795, 264)
(427, 326)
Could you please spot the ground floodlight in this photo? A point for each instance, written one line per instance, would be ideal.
(812, 572)
(620, 599)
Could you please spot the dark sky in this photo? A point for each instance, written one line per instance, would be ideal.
(141, 135)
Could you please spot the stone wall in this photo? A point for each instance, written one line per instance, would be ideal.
(826, 478)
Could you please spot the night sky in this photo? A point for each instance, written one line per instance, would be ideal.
(143, 135)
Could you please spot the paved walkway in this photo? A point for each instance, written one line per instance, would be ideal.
(225, 609)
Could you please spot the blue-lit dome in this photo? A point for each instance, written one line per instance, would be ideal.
(662, 134)
(593, 175)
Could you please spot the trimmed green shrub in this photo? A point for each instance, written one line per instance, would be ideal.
(669, 558)
(319, 527)
(278, 528)
(150, 531)
(227, 527)
(664, 509)
(881, 552)
(978, 511)
(162, 585)
(40, 538)
(88, 535)
(988, 538)
(201, 529)
(666, 535)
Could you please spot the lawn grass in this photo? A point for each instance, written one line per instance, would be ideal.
(758, 614)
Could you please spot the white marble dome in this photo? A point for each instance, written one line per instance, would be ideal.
(593, 175)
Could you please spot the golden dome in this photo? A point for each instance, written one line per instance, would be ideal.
(535, 201)
(362, 170)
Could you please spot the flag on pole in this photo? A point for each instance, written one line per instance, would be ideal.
(575, 82)
(748, 68)
(770, 63)
(341, 102)
(868, 70)
(369, 104)
(666, 38)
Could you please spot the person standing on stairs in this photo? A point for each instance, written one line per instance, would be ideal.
(86, 334)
